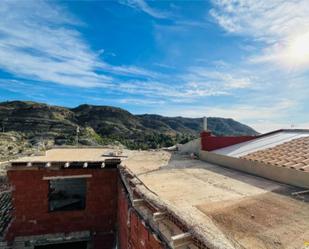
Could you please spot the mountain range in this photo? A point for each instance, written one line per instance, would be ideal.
(101, 125)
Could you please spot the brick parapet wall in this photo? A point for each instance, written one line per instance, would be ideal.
(159, 235)
(133, 232)
(30, 201)
(209, 142)
(108, 210)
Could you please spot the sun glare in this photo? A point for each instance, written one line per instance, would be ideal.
(298, 50)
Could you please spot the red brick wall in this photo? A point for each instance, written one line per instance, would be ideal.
(133, 233)
(104, 205)
(123, 210)
(210, 143)
(30, 200)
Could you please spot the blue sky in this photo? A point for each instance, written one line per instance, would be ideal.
(243, 59)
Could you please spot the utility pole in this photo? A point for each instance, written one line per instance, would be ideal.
(42, 144)
(77, 133)
(3, 125)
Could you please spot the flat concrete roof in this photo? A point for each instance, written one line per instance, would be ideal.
(69, 155)
(229, 207)
(232, 209)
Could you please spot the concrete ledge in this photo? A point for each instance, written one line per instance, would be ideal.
(29, 242)
(65, 177)
(276, 173)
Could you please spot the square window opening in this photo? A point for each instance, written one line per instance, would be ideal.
(67, 194)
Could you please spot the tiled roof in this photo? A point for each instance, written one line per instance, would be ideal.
(292, 154)
(5, 211)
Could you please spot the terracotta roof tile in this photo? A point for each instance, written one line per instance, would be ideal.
(293, 154)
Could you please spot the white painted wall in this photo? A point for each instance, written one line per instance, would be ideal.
(193, 146)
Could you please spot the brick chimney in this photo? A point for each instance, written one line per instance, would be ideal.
(210, 142)
(205, 132)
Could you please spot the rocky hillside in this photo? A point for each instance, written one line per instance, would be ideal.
(12, 145)
(43, 124)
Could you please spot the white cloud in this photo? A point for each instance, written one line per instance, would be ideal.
(142, 5)
(264, 126)
(129, 70)
(175, 89)
(35, 43)
(39, 41)
(262, 117)
(135, 101)
(223, 80)
(282, 25)
(267, 20)
(255, 112)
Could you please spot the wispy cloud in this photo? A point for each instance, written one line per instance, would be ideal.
(264, 20)
(56, 52)
(282, 25)
(136, 101)
(264, 126)
(43, 52)
(220, 79)
(260, 116)
(39, 41)
(248, 113)
(243, 112)
(143, 6)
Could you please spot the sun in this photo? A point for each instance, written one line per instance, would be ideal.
(298, 50)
